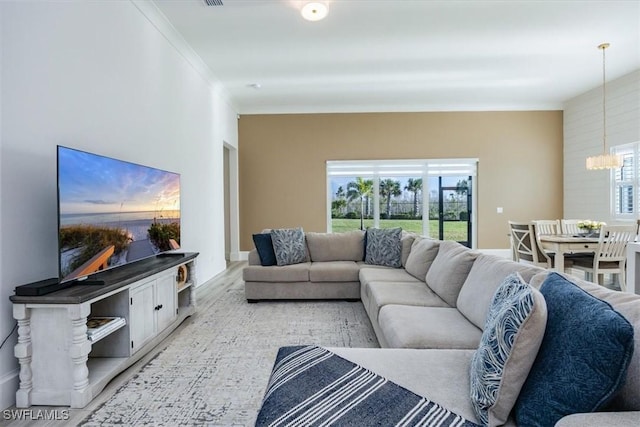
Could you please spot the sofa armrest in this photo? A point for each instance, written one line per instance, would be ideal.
(598, 419)
(254, 258)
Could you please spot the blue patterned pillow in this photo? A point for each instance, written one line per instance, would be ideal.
(383, 247)
(583, 358)
(289, 245)
(264, 246)
(512, 335)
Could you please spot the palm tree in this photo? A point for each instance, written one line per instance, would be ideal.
(339, 203)
(414, 186)
(462, 187)
(389, 188)
(360, 189)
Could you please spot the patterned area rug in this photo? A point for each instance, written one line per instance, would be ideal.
(312, 386)
(215, 370)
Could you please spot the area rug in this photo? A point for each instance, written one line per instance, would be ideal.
(312, 386)
(215, 370)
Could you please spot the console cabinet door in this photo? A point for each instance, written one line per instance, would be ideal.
(165, 301)
(142, 315)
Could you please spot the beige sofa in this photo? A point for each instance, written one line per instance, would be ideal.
(331, 271)
(430, 314)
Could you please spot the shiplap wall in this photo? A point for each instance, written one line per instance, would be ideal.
(587, 193)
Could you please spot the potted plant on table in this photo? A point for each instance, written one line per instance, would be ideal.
(590, 228)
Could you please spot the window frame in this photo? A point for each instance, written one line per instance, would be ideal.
(632, 149)
(422, 168)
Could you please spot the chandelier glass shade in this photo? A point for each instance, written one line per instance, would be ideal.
(604, 160)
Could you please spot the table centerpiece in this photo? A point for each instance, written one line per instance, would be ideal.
(590, 228)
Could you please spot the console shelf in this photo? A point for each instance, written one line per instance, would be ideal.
(60, 366)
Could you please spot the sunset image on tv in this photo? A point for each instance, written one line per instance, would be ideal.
(113, 212)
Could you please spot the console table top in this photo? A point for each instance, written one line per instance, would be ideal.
(114, 279)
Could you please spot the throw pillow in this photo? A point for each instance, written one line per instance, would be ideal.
(583, 357)
(289, 245)
(423, 252)
(510, 341)
(264, 246)
(384, 247)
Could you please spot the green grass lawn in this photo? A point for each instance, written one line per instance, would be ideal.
(455, 230)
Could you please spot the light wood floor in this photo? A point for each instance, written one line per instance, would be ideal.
(206, 294)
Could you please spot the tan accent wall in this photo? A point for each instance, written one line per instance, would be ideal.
(283, 171)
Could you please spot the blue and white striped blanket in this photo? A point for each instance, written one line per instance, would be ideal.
(311, 386)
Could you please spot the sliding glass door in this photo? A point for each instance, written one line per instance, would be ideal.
(427, 197)
(454, 207)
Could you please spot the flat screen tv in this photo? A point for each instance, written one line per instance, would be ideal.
(112, 212)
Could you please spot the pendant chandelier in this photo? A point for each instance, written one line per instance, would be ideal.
(604, 160)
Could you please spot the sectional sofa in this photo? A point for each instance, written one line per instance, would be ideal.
(571, 353)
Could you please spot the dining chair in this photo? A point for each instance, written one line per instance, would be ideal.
(525, 247)
(570, 226)
(611, 254)
(547, 226)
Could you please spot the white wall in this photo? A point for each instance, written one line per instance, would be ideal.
(587, 193)
(106, 77)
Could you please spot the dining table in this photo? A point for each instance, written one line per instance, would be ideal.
(563, 244)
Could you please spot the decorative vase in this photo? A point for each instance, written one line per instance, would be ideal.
(583, 232)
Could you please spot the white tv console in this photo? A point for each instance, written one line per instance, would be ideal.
(60, 366)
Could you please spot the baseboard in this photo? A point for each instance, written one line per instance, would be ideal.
(240, 256)
(9, 384)
(502, 253)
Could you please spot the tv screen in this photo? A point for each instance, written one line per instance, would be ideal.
(112, 212)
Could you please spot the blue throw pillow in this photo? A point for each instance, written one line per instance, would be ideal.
(264, 246)
(583, 358)
(383, 247)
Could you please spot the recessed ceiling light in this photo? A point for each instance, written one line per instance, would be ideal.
(314, 11)
(255, 85)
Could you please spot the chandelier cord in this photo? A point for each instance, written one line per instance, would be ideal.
(604, 100)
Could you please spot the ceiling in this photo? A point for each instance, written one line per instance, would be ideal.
(409, 55)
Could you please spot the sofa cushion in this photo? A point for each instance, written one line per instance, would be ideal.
(264, 246)
(512, 335)
(486, 275)
(334, 271)
(423, 252)
(450, 269)
(384, 247)
(406, 326)
(583, 358)
(289, 245)
(347, 246)
(384, 274)
(288, 273)
(402, 293)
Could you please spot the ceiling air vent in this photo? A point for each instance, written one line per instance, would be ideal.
(213, 2)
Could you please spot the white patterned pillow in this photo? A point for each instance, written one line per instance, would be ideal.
(510, 341)
(384, 247)
(289, 245)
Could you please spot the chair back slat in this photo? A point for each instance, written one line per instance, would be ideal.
(570, 226)
(524, 242)
(613, 242)
(547, 226)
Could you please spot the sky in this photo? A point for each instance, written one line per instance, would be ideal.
(89, 183)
